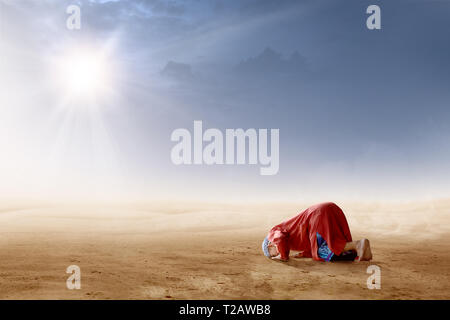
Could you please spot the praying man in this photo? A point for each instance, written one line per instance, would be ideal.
(320, 232)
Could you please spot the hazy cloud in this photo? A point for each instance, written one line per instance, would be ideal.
(177, 71)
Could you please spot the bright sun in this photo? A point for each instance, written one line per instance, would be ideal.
(83, 73)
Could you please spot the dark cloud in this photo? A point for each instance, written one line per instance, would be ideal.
(272, 63)
(169, 7)
(177, 71)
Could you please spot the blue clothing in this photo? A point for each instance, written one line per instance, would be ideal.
(323, 252)
(326, 254)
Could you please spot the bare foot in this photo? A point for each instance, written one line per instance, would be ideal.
(278, 258)
(363, 250)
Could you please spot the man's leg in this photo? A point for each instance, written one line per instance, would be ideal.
(345, 256)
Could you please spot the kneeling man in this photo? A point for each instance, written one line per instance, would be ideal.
(320, 232)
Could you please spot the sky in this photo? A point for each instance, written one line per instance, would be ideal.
(362, 114)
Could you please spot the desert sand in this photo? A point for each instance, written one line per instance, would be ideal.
(213, 251)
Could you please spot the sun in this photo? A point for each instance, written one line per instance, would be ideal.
(83, 72)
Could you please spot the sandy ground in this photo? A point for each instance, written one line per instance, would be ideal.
(211, 251)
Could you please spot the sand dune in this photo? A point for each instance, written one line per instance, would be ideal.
(212, 251)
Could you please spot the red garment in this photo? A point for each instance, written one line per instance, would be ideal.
(299, 232)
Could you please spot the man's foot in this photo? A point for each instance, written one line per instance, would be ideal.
(363, 250)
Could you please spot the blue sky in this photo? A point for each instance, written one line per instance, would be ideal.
(363, 114)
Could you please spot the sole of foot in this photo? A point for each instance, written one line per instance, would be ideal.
(363, 250)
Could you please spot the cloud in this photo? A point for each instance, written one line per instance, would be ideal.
(169, 8)
(176, 70)
(271, 62)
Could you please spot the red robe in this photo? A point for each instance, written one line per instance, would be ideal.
(299, 232)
